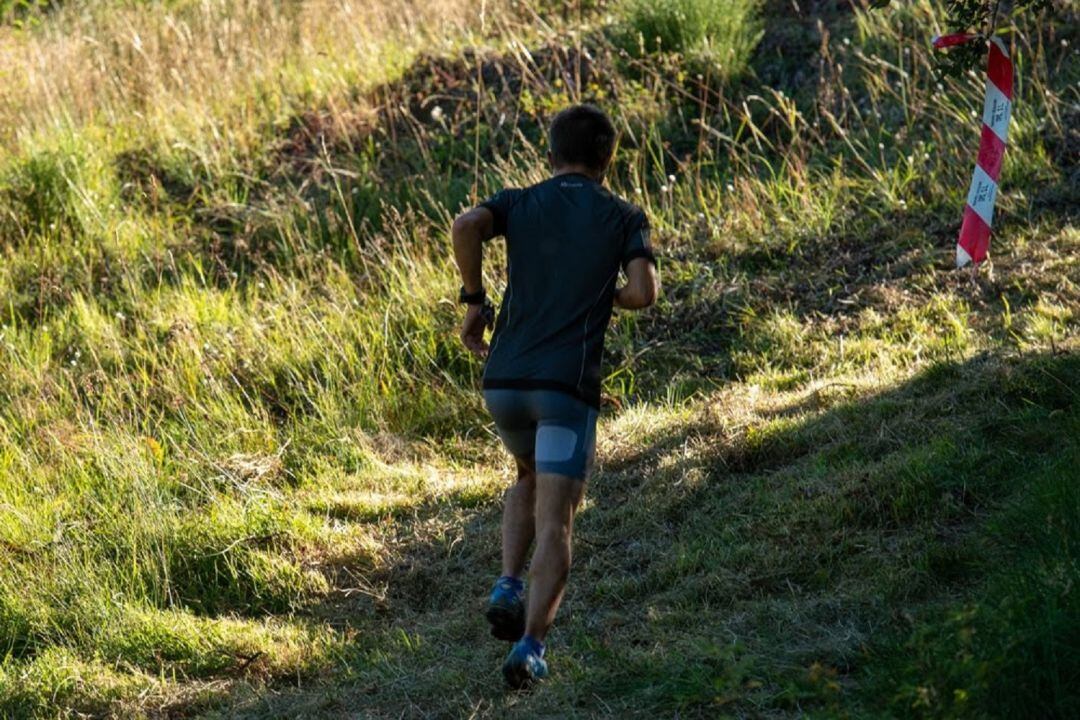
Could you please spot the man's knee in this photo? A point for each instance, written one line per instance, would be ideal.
(557, 496)
(556, 532)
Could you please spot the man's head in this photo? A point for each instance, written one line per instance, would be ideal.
(581, 137)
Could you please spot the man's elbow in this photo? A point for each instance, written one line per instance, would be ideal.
(464, 226)
(471, 227)
(650, 291)
(638, 298)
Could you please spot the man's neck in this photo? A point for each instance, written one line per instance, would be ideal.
(574, 170)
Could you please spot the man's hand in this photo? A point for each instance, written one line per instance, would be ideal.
(472, 330)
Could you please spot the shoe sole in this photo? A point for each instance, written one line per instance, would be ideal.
(505, 624)
(517, 677)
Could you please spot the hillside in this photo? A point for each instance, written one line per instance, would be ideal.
(244, 466)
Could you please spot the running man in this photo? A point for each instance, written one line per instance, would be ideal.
(566, 238)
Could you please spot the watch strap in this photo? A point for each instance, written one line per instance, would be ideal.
(476, 298)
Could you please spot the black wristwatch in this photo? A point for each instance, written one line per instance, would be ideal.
(476, 298)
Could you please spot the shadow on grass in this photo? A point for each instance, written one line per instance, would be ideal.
(752, 573)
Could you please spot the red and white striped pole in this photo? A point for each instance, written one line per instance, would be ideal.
(974, 240)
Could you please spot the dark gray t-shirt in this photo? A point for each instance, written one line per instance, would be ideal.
(566, 239)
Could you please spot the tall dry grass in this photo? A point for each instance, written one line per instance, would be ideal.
(150, 67)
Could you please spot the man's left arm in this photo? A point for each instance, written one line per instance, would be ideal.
(469, 232)
(639, 264)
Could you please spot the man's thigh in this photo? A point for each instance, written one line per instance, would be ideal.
(526, 466)
(566, 438)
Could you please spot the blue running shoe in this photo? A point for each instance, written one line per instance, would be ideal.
(525, 663)
(506, 609)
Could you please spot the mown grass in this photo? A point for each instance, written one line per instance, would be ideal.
(244, 470)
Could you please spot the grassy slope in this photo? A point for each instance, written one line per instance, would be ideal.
(837, 478)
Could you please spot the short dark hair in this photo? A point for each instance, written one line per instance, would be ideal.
(582, 135)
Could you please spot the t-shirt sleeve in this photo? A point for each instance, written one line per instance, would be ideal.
(499, 204)
(637, 240)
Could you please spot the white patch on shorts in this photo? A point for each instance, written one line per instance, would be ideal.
(555, 443)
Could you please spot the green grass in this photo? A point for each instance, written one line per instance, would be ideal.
(244, 466)
(725, 31)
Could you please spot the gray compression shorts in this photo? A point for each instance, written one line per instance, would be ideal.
(556, 428)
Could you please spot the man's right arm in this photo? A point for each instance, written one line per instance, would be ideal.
(470, 230)
(642, 285)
